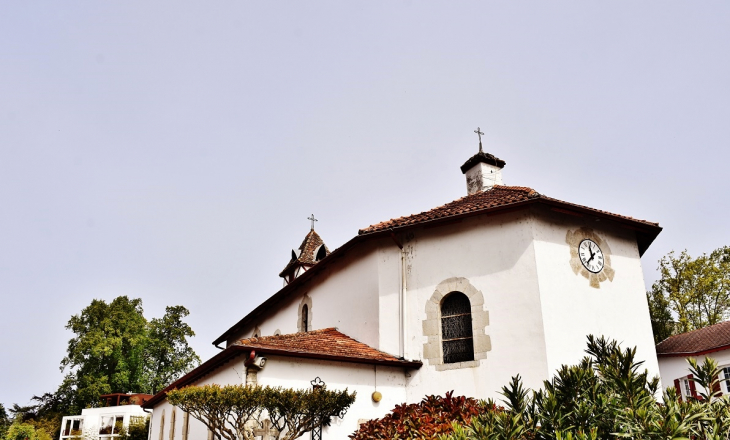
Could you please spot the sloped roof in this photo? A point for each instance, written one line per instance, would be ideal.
(498, 196)
(307, 255)
(498, 199)
(326, 344)
(697, 342)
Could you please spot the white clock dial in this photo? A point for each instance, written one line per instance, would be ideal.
(590, 255)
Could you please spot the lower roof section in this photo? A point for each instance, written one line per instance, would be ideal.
(327, 344)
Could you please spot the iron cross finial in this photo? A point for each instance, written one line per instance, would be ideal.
(312, 220)
(479, 133)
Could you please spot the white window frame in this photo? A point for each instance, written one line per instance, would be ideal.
(71, 434)
(113, 434)
(686, 388)
(725, 380)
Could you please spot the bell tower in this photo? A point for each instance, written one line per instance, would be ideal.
(483, 170)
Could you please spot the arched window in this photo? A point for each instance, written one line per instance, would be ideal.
(456, 332)
(305, 318)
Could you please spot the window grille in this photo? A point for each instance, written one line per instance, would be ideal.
(687, 389)
(456, 332)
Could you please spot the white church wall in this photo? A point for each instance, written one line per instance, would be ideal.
(361, 378)
(298, 373)
(230, 373)
(389, 286)
(572, 309)
(495, 254)
(344, 296)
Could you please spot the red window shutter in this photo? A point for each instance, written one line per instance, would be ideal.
(716, 386)
(678, 388)
(692, 386)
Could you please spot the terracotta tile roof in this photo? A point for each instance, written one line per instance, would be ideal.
(327, 344)
(497, 197)
(307, 252)
(713, 338)
(324, 343)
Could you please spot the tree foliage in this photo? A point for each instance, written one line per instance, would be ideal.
(605, 396)
(116, 350)
(233, 412)
(695, 290)
(25, 431)
(4, 421)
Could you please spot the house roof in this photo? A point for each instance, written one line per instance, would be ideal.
(697, 342)
(326, 344)
(307, 252)
(498, 199)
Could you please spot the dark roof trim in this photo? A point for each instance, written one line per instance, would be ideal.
(328, 357)
(482, 157)
(236, 350)
(645, 234)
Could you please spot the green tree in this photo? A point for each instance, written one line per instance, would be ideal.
(4, 421)
(695, 290)
(662, 323)
(232, 412)
(116, 350)
(168, 353)
(25, 431)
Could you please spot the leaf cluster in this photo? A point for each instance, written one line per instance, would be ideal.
(116, 350)
(605, 396)
(234, 412)
(695, 290)
(429, 418)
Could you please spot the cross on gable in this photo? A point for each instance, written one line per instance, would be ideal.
(479, 133)
(313, 220)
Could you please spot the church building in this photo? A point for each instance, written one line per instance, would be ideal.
(503, 281)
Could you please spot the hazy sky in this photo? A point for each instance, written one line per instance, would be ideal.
(173, 150)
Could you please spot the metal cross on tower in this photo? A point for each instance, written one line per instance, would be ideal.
(313, 220)
(479, 133)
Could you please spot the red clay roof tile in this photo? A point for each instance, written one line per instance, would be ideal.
(308, 249)
(325, 342)
(497, 197)
(712, 338)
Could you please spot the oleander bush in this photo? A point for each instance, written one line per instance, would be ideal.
(605, 396)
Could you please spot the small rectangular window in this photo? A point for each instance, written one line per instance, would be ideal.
(726, 376)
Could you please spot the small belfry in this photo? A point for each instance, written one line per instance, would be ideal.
(483, 170)
(310, 252)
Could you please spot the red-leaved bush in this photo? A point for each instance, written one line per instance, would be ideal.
(427, 419)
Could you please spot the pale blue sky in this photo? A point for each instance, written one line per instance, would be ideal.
(173, 150)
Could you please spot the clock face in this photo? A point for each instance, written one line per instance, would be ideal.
(590, 255)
